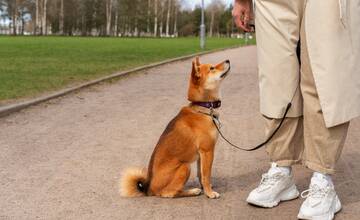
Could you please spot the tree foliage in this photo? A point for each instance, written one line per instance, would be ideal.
(165, 18)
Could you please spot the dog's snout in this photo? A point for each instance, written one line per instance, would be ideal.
(227, 61)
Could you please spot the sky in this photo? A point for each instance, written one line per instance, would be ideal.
(192, 3)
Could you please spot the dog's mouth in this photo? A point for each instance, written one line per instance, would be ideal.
(227, 62)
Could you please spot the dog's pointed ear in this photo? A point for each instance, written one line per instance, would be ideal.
(195, 70)
(197, 61)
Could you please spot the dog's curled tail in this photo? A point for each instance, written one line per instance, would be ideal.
(133, 182)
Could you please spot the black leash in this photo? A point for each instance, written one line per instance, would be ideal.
(214, 118)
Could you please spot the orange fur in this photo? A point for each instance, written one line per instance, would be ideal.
(189, 137)
(129, 180)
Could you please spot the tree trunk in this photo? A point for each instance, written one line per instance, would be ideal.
(126, 26)
(14, 17)
(44, 25)
(61, 19)
(22, 24)
(136, 23)
(175, 22)
(83, 25)
(161, 19)
(168, 19)
(116, 31)
(136, 28)
(155, 17)
(4, 27)
(148, 18)
(232, 28)
(37, 18)
(212, 23)
(108, 16)
(124, 29)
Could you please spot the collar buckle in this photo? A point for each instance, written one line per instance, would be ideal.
(209, 105)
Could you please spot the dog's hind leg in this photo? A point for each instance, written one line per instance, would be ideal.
(176, 186)
(190, 192)
(198, 163)
(182, 193)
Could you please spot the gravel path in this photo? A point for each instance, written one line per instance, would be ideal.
(62, 159)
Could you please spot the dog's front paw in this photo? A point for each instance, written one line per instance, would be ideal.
(213, 195)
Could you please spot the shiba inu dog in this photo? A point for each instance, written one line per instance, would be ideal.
(191, 136)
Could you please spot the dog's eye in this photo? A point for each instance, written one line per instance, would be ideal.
(212, 68)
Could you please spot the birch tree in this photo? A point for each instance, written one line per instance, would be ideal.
(215, 9)
(161, 18)
(116, 25)
(14, 16)
(37, 17)
(168, 18)
(12, 13)
(175, 18)
(61, 17)
(148, 17)
(44, 17)
(2, 17)
(155, 17)
(136, 22)
(212, 17)
(108, 16)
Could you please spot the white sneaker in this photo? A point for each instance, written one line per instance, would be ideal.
(275, 186)
(321, 200)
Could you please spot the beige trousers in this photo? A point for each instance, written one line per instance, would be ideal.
(306, 139)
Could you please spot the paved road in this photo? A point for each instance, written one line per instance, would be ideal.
(62, 159)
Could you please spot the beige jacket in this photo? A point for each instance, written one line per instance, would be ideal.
(333, 38)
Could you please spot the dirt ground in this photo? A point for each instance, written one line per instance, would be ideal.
(62, 159)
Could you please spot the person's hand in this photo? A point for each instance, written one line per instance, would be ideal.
(242, 14)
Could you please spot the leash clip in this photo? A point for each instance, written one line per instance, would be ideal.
(214, 118)
(212, 111)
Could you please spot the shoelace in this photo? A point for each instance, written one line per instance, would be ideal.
(268, 180)
(315, 192)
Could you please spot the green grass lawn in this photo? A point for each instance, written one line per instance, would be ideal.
(30, 66)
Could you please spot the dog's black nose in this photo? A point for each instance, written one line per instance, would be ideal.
(227, 61)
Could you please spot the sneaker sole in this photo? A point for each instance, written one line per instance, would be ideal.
(327, 216)
(286, 195)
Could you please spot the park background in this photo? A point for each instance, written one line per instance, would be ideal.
(156, 18)
(61, 43)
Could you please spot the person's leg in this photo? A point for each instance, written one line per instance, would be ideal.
(277, 32)
(322, 147)
(286, 146)
(284, 150)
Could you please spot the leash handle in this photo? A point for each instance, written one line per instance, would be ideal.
(263, 143)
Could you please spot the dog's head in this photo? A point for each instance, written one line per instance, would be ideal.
(205, 80)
